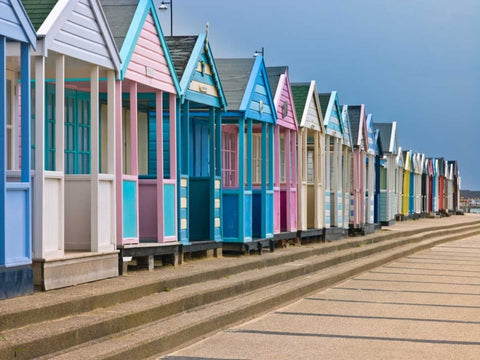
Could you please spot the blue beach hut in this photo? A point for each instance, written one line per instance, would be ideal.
(16, 275)
(334, 139)
(199, 140)
(247, 154)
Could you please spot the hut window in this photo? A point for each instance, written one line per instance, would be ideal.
(50, 127)
(229, 161)
(383, 178)
(257, 158)
(310, 166)
(10, 126)
(77, 132)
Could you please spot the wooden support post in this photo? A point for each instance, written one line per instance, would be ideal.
(119, 155)
(241, 177)
(94, 158)
(173, 154)
(159, 140)
(39, 179)
(263, 195)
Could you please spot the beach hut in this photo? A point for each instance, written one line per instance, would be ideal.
(449, 187)
(418, 171)
(425, 186)
(370, 175)
(406, 192)
(455, 185)
(430, 191)
(379, 163)
(387, 200)
(441, 183)
(74, 183)
(347, 167)
(436, 171)
(16, 30)
(146, 107)
(248, 153)
(360, 146)
(399, 182)
(334, 182)
(199, 143)
(285, 146)
(311, 160)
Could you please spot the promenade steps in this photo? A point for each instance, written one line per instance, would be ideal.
(148, 313)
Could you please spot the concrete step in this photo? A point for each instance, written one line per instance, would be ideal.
(44, 306)
(164, 335)
(45, 337)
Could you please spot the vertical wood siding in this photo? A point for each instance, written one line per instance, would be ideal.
(148, 52)
(82, 38)
(312, 121)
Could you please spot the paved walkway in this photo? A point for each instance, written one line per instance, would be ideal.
(425, 306)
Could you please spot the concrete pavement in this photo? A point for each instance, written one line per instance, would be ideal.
(424, 306)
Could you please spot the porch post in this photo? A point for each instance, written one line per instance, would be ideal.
(316, 175)
(263, 194)
(110, 168)
(270, 174)
(159, 179)
(249, 155)
(119, 171)
(277, 182)
(173, 154)
(94, 161)
(133, 121)
(301, 207)
(241, 178)
(39, 179)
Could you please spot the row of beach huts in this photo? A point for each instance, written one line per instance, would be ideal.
(119, 143)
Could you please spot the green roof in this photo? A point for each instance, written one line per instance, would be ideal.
(324, 100)
(300, 93)
(38, 10)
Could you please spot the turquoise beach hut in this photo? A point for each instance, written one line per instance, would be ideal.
(16, 276)
(247, 154)
(199, 140)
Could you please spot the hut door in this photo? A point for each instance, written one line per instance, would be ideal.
(199, 181)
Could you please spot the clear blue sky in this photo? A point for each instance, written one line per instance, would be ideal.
(416, 62)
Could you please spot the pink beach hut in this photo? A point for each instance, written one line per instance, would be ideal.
(146, 108)
(285, 145)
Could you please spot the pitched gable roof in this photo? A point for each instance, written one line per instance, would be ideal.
(180, 48)
(332, 114)
(120, 14)
(38, 10)
(282, 95)
(196, 69)
(307, 106)
(77, 28)
(15, 23)
(300, 93)
(234, 75)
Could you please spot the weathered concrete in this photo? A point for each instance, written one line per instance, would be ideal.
(143, 313)
(424, 306)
